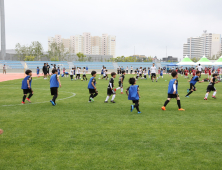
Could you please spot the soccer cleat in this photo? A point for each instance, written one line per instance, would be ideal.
(139, 112)
(23, 102)
(132, 107)
(181, 109)
(114, 89)
(122, 93)
(214, 97)
(52, 102)
(89, 101)
(163, 108)
(205, 98)
(105, 101)
(92, 100)
(28, 100)
(112, 101)
(187, 96)
(188, 90)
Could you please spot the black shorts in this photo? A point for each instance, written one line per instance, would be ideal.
(104, 76)
(45, 73)
(110, 92)
(84, 75)
(172, 96)
(140, 75)
(135, 101)
(78, 75)
(153, 74)
(144, 76)
(54, 90)
(26, 91)
(192, 86)
(126, 71)
(92, 91)
(210, 88)
(120, 84)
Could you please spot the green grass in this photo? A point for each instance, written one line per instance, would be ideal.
(76, 134)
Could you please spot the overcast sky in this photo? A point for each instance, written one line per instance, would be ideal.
(149, 25)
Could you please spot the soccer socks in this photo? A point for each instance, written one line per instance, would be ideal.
(30, 95)
(54, 98)
(189, 93)
(206, 95)
(117, 88)
(137, 107)
(113, 97)
(121, 90)
(214, 93)
(91, 96)
(178, 103)
(166, 102)
(107, 98)
(23, 99)
(95, 95)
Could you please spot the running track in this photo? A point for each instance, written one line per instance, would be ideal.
(13, 76)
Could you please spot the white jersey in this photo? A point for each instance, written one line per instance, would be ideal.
(199, 68)
(78, 71)
(104, 72)
(126, 68)
(84, 71)
(140, 71)
(144, 72)
(131, 68)
(4, 67)
(71, 72)
(153, 69)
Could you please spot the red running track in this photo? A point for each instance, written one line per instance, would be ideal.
(13, 76)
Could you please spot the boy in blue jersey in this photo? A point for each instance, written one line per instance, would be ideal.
(37, 71)
(149, 72)
(161, 72)
(172, 91)
(92, 87)
(58, 70)
(26, 86)
(193, 81)
(133, 94)
(54, 85)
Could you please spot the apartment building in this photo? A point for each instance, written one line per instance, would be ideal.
(207, 44)
(87, 44)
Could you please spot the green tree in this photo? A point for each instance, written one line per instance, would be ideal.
(195, 59)
(149, 59)
(57, 52)
(81, 56)
(29, 58)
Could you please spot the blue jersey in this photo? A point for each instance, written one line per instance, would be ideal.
(170, 86)
(53, 81)
(58, 70)
(38, 70)
(102, 71)
(133, 92)
(161, 72)
(148, 72)
(194, 80)
(87, 68)
(92, 79)
(25, 84)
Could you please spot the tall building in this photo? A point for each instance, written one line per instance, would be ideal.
(87, 44)
(207, 44)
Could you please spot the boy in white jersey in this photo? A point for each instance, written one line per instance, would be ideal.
(144, 72)
(121, 79)
(110, 89)
(84, 74)
(78, 73)
(71, 74)
(153, 72)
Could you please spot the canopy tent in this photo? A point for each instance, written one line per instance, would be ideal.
(186, 61)
(171, 65)
(204, 61)
(218, 62)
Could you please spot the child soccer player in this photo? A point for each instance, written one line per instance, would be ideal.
(71, 74)
(209, 72)
(26, 86)
(194, 72)
(140, 72)
(92, 87)
(4, 69)
(193, 81)
(211, 87)
(172, 91)
(121, 78)
(110, 90)
(133, 94)
(186, 73)
(84, 74)
(54, 85)
(37, 71)
(149, 72)
(137, 74)
(58, 70)
(144, 72)
(161, 72)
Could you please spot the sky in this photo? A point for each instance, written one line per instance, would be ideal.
(150, 26)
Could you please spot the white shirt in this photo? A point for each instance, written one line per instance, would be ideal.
(71, 72)
(199, 68)
(131, 68)
(78, 71)
(84, 71)
(126, 68)
(144, 72)
(140, 71)
(153, 69)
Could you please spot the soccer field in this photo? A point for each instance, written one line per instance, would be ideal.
(76, 134)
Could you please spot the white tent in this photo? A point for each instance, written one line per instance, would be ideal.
(218, 62)
(186, 62)
(204, 61)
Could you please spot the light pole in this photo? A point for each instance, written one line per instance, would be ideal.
(3, 47)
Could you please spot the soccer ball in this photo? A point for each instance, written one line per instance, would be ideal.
(81, 79)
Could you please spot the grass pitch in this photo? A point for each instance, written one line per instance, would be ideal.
(76, 134)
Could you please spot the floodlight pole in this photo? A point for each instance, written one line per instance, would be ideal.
(3, 46)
